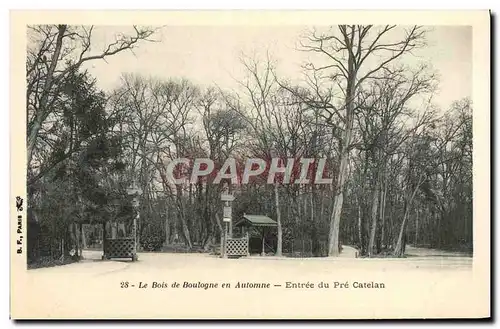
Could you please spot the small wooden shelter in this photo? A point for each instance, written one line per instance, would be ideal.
(259, 222)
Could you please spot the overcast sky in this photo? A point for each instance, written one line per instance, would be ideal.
(211, 54)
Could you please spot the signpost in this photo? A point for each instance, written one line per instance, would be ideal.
(227, 218)
(227, 197)
(227, 213)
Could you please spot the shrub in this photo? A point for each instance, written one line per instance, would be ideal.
(152, 241)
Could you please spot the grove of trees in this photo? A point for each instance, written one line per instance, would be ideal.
(401, 167)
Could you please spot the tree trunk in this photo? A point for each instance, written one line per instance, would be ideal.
(299, 207)
(373, 231)
(42, 108)
(185, 231)
(382, 214)
(167, 228)
(360, 226)
(333, 236)
(374, 213)
(399, 250)
(401, 243)
(63, 251)
(77, 240)
(416, 229)
(263, 253)
(83, 244)
(278, 220)
(182, 219)
(322, 207)
(208, 241)
(104, 233)
(333, 249)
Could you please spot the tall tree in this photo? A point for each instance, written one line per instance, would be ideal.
(348, 51)
(54, 54)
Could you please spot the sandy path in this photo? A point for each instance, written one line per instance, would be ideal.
(426, 252)
(93, 288)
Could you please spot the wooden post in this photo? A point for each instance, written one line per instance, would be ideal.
(248, 243)
(104, 240)
(222, 245)
(75, 239)
(62, 249)
(225, 241)
(263, 242)
(230, 204)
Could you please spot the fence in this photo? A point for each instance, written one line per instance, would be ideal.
(119, 248)
(237, 246)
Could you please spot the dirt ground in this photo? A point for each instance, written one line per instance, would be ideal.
(420, 258)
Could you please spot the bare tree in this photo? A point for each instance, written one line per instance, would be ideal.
(55, 52)
(261, 89)
(347, 50)
(222, 132)
(381, 124)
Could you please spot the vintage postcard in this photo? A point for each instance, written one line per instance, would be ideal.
(250, 164)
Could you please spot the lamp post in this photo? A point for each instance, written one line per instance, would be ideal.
(136, 192)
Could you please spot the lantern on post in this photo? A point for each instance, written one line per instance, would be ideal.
(134, 191)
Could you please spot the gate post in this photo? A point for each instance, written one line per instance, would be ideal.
(227, 199)
(225, 241)
(248, 244)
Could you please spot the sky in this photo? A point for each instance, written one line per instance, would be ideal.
(212, 54)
